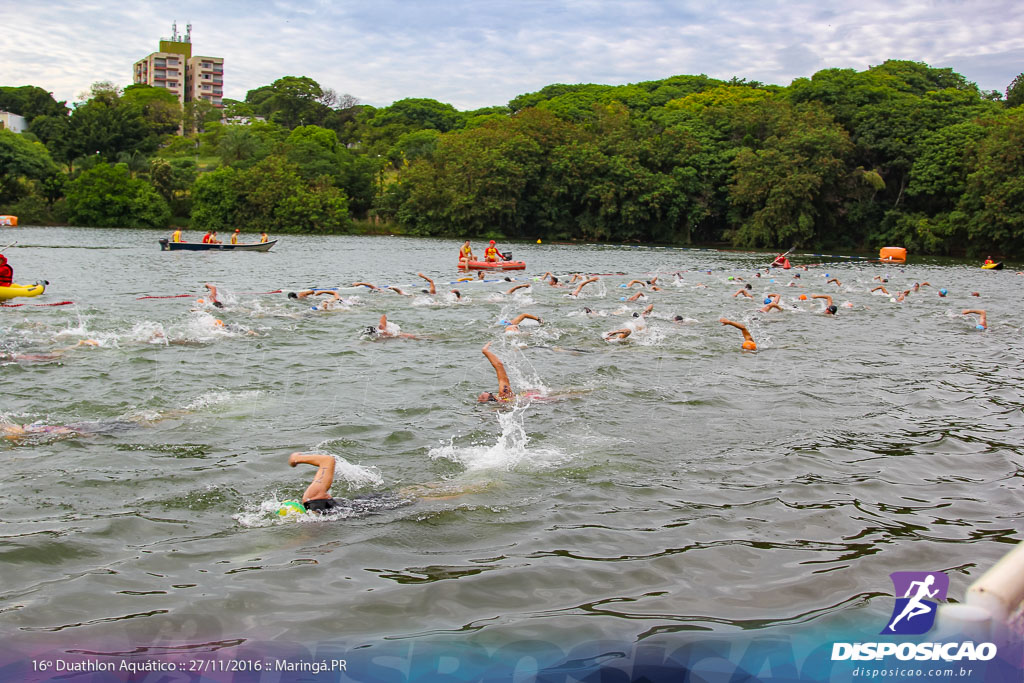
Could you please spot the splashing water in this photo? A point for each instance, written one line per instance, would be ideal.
(510, 452)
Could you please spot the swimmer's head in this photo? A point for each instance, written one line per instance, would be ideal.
(767, 300)
(486, 397)
(293, 295)
(587, 310)
(554, 280)
(749, 345)
(218, 322)
(803, 297)
(831, 310)
(457, 293)
(218, 304)
(678, 318)
(291, 507)
(635, 314)
(425, 291)
(371, 330)
(979, 327)
(942, 292)
(748, 286)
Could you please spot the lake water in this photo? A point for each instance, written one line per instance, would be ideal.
(666, 483)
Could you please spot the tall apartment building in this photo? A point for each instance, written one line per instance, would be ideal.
(188, 78)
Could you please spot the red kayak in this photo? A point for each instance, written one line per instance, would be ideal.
(493, 265)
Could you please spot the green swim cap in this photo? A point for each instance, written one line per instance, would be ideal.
(289, 507)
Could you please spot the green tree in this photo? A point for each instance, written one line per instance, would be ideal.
(787, 185)
(21, 161)
(108, 197)
(1015, 92)
(31, 101)
(159, 107)
(992, 206)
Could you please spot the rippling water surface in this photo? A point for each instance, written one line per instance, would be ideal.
(668, 482)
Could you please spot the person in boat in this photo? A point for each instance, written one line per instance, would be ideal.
(982, 319)
(176, 235)
(466, 253)
(505, 392)
(748, 341)
(6, 272)
(234, 236)
(989, 261)
(211, 238)
(263, 238)
(491, 254)
(829, 308)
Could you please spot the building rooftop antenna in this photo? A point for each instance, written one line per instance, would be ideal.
(188, 33)
(174, 32)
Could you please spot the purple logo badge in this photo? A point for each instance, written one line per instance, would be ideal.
(917, 598)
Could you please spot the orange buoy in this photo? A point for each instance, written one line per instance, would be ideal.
(895, 254)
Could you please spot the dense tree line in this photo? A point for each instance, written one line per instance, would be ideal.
(900, 153)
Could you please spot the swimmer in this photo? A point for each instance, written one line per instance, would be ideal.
(327, 304)
(903, 295)
(580, 286)
(457, 293)
(829, 308)
(480, 275)
(637, 297)
(317, 496)
(212, 296)
(618, 334)
(512, 289)
(978, 294)
(879, 278)
(552, 280)
(982, 319)
(640, 282)
(302, 294)
(396, 290)
(383, 332)
(505, 392)
(513, 325)
(880, 287)
(835, 280)
(374, 288)
(433, 290)
(748, 341)
(771, 303)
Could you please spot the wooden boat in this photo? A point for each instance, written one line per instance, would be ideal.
(167, 245)
(993, 266)
(15, 290)
(493, 265)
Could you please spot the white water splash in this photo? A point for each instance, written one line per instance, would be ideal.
(510, 452)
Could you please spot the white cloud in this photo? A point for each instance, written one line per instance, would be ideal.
(474, 53)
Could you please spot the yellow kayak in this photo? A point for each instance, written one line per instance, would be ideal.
(16, 290)
(993, 266)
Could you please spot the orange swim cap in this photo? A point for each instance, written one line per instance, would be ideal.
(749, 345)
(218, 322)
(803, 297)
(200, 301)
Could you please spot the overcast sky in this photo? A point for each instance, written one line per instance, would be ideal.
(477, 53)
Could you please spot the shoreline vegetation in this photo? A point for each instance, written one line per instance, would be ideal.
(900, 154)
